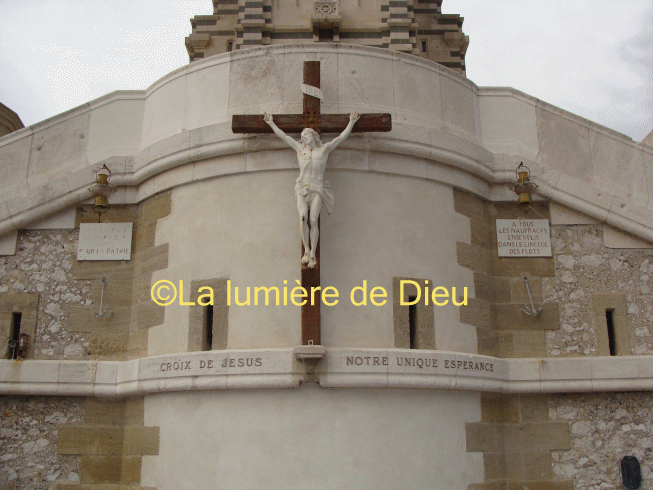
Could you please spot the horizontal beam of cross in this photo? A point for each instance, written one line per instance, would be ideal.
(294, 123)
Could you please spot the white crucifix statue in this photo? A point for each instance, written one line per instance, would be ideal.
(311, 190)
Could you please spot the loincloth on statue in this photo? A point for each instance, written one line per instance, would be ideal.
(309, 191)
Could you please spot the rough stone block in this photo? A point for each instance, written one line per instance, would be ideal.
(473, 257)
(537, 436)
(487, 486)
(100, 469)
(131, 469)
(477, 312)
(535, 466)
(96, 270)
(104, 412)
(90, 440)
(134, 411)
(117, 292)
(512, 266)
(481, 234)
(148, 314)
(484, 437)
(468, 204)
(492, 289)
(541, 485)
(143, 237)
(141, 440)
(151, 259)
(155, 208)
(534, 408)
(519, 293)
(494, 465)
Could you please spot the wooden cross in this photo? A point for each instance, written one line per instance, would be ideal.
(321, 123)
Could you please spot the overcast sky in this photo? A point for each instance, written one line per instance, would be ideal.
(591, 57)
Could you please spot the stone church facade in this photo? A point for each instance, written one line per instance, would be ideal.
(466, 389)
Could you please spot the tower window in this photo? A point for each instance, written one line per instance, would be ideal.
(423, 46)
(612, 341)
(208, 328)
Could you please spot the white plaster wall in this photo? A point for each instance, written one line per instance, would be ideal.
(312, 438)
(245, 227)
(386, 226)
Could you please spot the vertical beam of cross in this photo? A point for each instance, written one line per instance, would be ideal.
(311, 333)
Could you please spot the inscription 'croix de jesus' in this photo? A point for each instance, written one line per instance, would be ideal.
(311, 192)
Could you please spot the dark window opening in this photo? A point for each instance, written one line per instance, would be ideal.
(230, 46)
(208, 327)
(609, 317)
(412, 322)
(15, 335)
(423, 46)
(326, 35)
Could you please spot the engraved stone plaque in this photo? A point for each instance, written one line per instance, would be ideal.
(104, 241)
(523, 238)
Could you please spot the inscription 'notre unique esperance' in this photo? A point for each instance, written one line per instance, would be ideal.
(420, 362)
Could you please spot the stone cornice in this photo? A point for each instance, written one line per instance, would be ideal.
(354, 368)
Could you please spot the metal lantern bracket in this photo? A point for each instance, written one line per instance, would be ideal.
(102, 190)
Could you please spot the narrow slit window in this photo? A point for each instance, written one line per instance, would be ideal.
(230, 46)
(208, 328)
(423, 46)
(612, 343)
(16, 319)
(412, 322)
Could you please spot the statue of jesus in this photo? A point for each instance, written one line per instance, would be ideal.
(310, 188)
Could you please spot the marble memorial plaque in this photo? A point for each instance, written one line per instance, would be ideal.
(104, 241)
(523, 238)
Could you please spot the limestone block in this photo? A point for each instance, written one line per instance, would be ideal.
(257, 82)
(562, 215)
(223, 165)
(397, 164)
(116, 125)
(141, 441)
(100, 469)
(417, 92)
(613, 238)
(484, 437)
(90, 440)
(457, 99)
(207, 97)
(164, 103)
(564, 143)
(508, 121)
(58, 147)
(537, 436)
(14, 158)
(469, 205)
(173, 177)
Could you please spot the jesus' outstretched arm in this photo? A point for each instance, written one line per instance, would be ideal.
(284, 137)
(332, 145)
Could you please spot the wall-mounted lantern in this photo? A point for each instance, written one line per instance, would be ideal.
(102, 190)
(524, 186)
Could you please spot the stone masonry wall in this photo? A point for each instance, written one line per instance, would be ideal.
(43, 263)
(604, 428)
(585, 267)
(29, 430)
